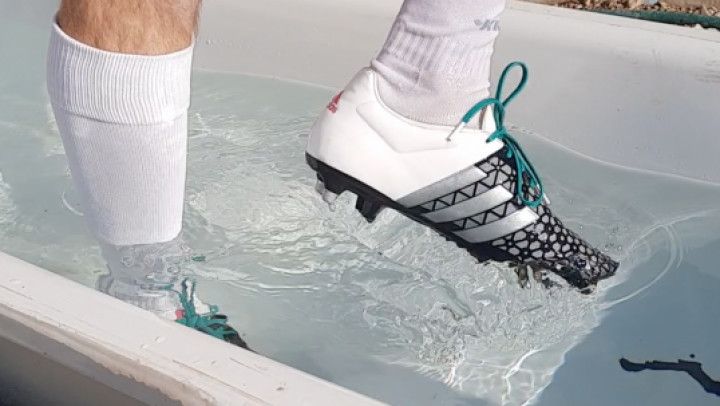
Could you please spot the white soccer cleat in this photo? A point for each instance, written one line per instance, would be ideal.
(461, 182)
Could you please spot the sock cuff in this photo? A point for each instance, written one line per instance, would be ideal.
(114, 87)
(437, 53)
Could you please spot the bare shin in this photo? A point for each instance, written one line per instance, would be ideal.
(144, 27)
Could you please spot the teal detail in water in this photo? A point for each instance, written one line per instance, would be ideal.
(207, 323)
(522, 163)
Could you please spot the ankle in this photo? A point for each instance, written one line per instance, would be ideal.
(427, 103)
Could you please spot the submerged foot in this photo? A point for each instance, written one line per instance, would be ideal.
(147, 276)
(181, 306)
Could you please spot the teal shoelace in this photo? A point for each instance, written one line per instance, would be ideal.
(208, 323)
(522, 163)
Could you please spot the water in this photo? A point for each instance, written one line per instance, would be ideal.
(390, 309)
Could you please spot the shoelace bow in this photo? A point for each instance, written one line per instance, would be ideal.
(208, 322)
(522, 163)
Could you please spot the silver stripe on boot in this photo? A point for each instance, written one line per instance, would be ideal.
(478, 204)
(506, 225)
(443, 187)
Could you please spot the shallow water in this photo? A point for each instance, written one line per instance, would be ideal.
(390, 309)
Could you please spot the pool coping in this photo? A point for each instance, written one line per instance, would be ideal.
(106, 339)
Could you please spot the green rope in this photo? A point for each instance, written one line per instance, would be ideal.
(206, 323)
(522, 163)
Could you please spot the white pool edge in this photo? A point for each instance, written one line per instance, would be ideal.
(64, 319)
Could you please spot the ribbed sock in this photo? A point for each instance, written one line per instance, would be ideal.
(435, 64)
(123, 122)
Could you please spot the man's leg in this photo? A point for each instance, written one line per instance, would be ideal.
(119, 83)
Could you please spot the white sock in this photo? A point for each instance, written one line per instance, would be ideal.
(147, 276)
(144, 275)
(123, 122)
(435, 64)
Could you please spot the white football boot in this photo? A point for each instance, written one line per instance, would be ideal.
(459, 181)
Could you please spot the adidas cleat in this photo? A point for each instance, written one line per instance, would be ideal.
(474, 186)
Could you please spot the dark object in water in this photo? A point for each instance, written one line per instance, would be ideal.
(692, 368)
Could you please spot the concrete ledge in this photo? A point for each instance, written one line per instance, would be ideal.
(139, 355)
(35, 379)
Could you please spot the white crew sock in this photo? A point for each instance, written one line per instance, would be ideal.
(123, 122)
(435, 64)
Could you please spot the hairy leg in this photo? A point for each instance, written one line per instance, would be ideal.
(118, 75)
(145, 27)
